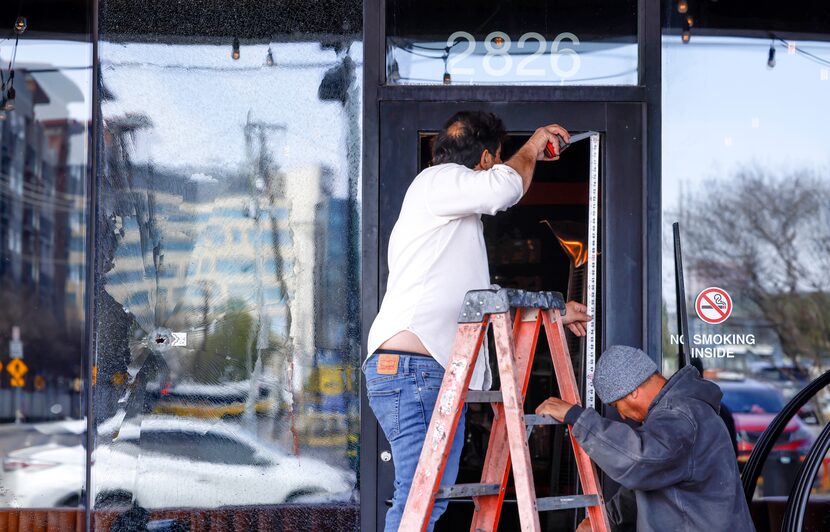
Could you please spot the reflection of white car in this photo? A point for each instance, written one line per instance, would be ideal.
(44, 476)
(173, 462)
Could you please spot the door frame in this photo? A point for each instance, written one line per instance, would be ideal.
(624, 244)
(647, 92)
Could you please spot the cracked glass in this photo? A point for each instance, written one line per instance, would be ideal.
(226, 288)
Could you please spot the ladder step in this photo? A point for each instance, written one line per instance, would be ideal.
(533, 419)
(477, 396)
(567, 502)
(467, 490)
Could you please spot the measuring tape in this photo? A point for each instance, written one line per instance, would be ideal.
(591, 271)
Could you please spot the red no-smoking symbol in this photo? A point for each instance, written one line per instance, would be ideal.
(713, 305)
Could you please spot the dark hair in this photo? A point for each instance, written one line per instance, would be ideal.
(465, 136)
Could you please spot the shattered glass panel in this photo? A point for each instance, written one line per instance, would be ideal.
(45, 108)
(227, 300)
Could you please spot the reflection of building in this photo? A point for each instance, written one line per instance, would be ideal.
(330, 403)
(205, 250)
(192, 249)
(207, 247)
(43, 175)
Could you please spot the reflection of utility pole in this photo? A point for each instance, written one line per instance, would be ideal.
(262, 182)
(353, 138)
(16, 368)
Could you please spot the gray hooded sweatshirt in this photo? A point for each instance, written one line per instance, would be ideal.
(679, 463)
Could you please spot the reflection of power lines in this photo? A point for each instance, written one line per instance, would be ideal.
(803, 53)
(30, 195)
(191, 68)
(265, 180)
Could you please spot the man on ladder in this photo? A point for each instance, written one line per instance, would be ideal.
(436, 255)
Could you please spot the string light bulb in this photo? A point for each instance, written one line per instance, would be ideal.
(690, 21)
(686, 35)
(682, 7)
(447, 78)
(771, 56)
(269, 59)
(235, 52)
(498, 40)
(20, 25)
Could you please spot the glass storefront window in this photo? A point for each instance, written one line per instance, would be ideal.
(746, 173)
(511, 42)
(44, 134)
(228, 250)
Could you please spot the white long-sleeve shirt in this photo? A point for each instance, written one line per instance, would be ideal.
(437, 254)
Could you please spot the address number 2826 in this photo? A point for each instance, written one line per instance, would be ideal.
(498, 62)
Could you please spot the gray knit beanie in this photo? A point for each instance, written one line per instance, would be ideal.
(620, 370)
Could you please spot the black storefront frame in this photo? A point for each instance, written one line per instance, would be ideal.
(91, 263)
(646, 92)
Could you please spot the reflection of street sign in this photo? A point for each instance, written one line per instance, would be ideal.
(179, 339)
(16, 349)
(713, 305)
(17, 368)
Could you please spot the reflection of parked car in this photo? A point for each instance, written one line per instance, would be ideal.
(754, 405)
(174, 462)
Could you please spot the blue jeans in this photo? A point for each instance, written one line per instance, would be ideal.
(403, 405)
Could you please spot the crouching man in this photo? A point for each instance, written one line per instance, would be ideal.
(679, 462)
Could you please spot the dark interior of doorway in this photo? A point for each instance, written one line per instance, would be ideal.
(526, 247)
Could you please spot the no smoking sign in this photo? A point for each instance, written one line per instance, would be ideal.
(713, 305)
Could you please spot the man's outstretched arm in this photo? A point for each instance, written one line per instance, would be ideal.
(652, 456)
(524, 160)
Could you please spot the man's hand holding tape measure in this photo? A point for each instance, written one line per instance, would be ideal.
(549, 142)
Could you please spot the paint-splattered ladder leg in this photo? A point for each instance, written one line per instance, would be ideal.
(514, 419)
(442, 427)
(497, 461)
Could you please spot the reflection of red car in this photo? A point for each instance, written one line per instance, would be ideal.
(749, 428)
(754, 405)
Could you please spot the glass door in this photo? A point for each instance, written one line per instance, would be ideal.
(534, 246)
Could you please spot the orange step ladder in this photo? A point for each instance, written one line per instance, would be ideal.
(515, 347)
